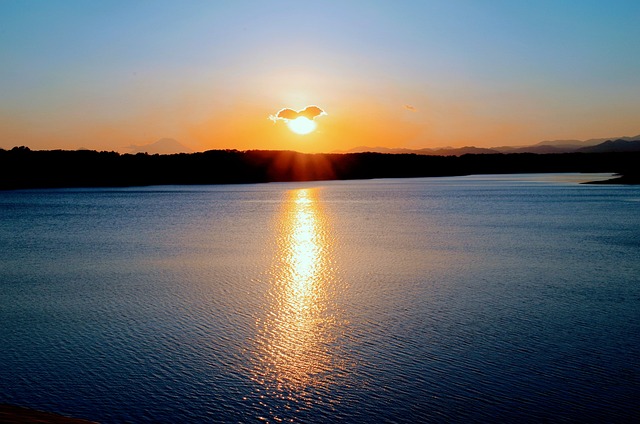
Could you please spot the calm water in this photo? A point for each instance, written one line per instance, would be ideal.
(488, 298)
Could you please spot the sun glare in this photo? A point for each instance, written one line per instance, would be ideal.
(301, 125)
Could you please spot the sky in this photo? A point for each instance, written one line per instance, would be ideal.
(106, 75)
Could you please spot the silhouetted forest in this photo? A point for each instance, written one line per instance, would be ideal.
(21, 167)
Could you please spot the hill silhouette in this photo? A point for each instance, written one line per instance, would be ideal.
(613, 146)
(164, 146)
(544, 147)
(444, 151)
(583, 143)
(21, 167)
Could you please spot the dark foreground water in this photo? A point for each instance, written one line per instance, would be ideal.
(470, 299)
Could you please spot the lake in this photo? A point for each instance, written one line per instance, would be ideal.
(465, 299)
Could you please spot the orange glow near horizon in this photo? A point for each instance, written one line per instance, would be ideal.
(348, 125)
(243, 124)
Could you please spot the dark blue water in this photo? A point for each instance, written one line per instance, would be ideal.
(470, 299)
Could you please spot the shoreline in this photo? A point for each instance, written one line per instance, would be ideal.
(622, 179)
(18, 414)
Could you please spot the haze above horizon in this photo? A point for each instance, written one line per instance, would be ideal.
(411, 74)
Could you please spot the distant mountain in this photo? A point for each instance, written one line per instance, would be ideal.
(459, 151)
(571, 143)
(540, 149)
(445, 151)
(623, 144)
(164, 146)
(364, 149)
(608, 146)
(583, 143)
(544, 147)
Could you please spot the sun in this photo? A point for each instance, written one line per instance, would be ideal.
(301, 125)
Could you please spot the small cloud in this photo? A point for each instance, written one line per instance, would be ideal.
(285, 114)
(309, 112)
(410, 108)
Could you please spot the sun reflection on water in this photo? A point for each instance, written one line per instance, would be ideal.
(297, 353)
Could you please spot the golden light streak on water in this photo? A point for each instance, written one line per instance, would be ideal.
(296, 348)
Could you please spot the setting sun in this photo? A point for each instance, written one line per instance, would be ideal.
(301, 125)
(299, 121)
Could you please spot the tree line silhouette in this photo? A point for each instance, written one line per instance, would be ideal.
(21, 167)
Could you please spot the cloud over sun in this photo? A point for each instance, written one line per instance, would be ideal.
(300, 122)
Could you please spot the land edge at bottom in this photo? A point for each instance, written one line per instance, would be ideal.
(10, 414)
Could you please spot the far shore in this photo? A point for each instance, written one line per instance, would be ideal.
(22, 168)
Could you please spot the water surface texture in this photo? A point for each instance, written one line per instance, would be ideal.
(468, 299)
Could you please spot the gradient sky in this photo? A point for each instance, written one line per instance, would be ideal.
(108, 74)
